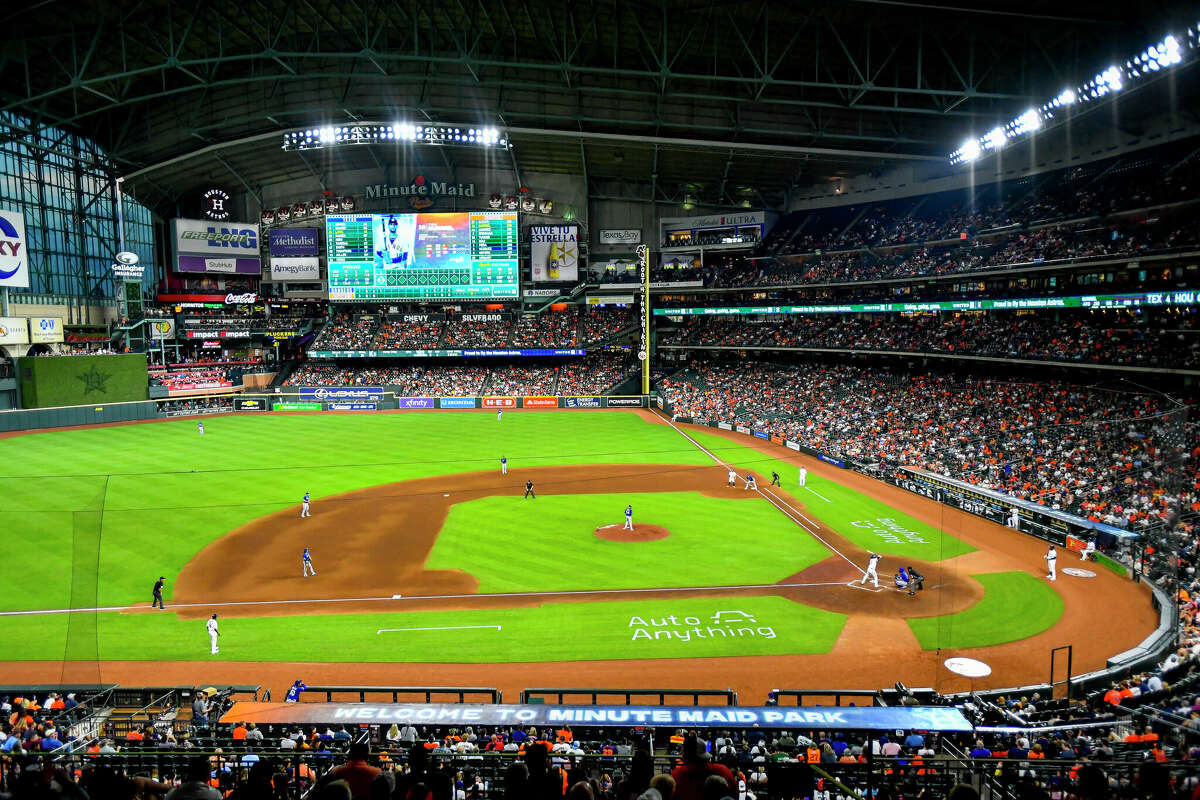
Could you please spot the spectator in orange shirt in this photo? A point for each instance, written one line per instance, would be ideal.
(239, 732)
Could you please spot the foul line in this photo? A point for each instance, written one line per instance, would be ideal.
(772, 498)
(561, 593)
(818, 494)
(445, 628)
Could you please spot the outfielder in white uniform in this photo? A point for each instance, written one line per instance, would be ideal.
(732, 478)
(306, 557)
(871, 573)
(304, 512)
(213, 633)
(803, 477)
(1052, 563)
(628, 518)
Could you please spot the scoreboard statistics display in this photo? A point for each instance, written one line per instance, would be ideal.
(458, 255)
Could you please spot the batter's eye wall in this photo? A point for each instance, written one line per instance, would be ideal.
(82, 380)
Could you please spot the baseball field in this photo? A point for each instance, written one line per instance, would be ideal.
(433, 568)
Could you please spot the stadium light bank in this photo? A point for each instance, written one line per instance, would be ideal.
(337, 135)
(1155, 58)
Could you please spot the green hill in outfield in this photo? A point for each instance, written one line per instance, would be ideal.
(512, 545)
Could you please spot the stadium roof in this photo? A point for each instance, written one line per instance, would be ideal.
(726, 101)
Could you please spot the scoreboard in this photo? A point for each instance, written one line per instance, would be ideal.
(459, 255)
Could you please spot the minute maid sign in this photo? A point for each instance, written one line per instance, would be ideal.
(422, 193)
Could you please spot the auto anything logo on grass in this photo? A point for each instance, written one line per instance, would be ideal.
(890, 531)
(730, 624)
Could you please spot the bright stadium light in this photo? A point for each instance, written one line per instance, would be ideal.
(360, 133)
(1154, 59)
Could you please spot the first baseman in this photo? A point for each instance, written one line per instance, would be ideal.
(213, 633)
(1052, 563)
(628, 518)
(871, 573)
(803, 476)
(306, 558)
(304, 512)
(751, 483)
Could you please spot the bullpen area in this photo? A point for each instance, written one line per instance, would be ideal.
(427, 554)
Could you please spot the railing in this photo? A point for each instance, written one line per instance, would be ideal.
(822, 696)
(930, 778)
(729, 696)
(477, 694)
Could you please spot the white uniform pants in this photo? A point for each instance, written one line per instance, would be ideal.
(628, 524)
(504, 469)
(212, 637)
(872, 574)
(304, 512)
(308, 568)
(1052, 564)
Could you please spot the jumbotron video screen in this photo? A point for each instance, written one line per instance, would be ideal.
(460, 255)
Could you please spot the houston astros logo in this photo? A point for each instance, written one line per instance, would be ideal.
(216, 204)
(93, 380)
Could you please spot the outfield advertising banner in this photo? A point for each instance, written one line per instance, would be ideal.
(14, 330)
(921, 718)
(583, 402)
(554, 252)
(456, 402)
(249, 404)
(539, 402)
(626, 401)
(296, 407)
(48, 382)
(415, 402)
(292, 241)
(575, 351)
(499, 402)
(45, 330)
(327, 393)
(14, 258)
(352, 407)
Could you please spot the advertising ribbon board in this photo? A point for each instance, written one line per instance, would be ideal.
(456, 402)
(922, 718)
(328, 393)
(297, 407)
(352, 407)
(582, 402)
(632, 401)
(499, 402)
(539, 402)
(249, 404)
(415, 402)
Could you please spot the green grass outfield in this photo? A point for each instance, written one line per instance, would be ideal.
(116, 507)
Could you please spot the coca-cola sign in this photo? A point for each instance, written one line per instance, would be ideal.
(248, 298)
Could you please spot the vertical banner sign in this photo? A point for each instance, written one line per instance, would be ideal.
(14, 256)
(643, 255)
(554, 252)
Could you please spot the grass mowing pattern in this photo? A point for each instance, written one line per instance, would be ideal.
(879, 525)
(551, 632)
(713, 542)
(1015, 606)
(172, 491)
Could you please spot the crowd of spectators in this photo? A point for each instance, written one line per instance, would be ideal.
(1104, 455)
(553, 329)
(1113, 337)
(514, 380)
(198, 376)
(595, 374)
(396, 335)
(196, 405)
(347, 332)
(601, 323)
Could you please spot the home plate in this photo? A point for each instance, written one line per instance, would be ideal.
(857, 585)
(445, 495)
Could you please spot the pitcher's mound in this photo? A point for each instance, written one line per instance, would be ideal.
(640, 533)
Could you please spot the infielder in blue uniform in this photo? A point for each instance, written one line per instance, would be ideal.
(751, 483)
(503, 465)
(628, 518)
(306, 557)
(304, 512)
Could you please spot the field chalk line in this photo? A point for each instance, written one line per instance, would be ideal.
(443, 628)
(560, 593)
(772, 498)
(818, 494)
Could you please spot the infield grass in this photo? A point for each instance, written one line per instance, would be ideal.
(1015, 606)
(548, 544)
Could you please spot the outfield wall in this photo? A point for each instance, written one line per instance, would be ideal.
(56, 381)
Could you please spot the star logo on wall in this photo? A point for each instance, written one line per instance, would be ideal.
(93, 380)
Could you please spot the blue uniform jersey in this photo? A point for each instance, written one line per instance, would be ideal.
(306, 497)
(293, 693)
(629, 511)
(307, 556)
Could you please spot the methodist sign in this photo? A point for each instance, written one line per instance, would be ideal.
(14, 250)
(216, 247)
(922, 718)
